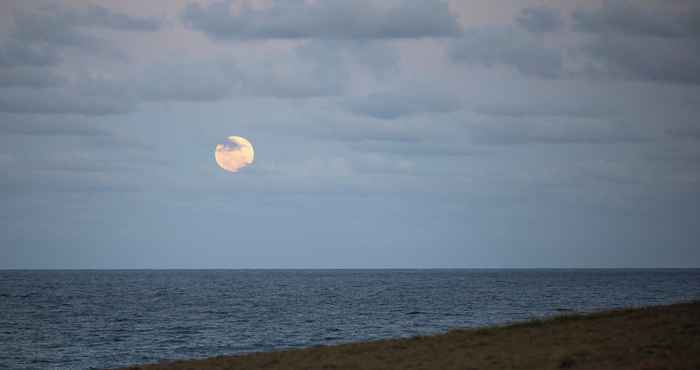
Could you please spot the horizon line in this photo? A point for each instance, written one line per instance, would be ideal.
(345, 268)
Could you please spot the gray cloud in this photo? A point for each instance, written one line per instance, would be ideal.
(539, 19)
(654, 41)
(648, 19)
(508, 48)
(335, 19)
(316, 68)
(585, 106)
(42, 32)
(278, 74)
(381, 58)
(401, 104)
(60, 101)
(369, 131)
(266, 81)
(35, 47)
(21, 125)
(281, 75)
(56, 24)
(685, 132)
(186, 81)
(14, 54)
(41, 28)
(57, 182)
(648, 41)
(424, 148)
(555, 131)
(663, 60)
(99, 16)
(29, 77)
(333, 59)
(76, 164)
(310, 70)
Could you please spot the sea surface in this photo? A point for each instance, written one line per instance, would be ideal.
(102, 319)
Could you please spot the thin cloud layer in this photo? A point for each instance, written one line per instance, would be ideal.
(509, 48)
(22, 125)
(651, 42)
(56, 25)
(660, 60)
(335, 19)
(60, 101)
(401, 104)
(29, 77)
(631, 18)
(540, 19)
(19, 54)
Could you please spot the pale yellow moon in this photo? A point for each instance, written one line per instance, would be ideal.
(235, 154)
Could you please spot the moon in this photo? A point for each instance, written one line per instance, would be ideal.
(235, 154)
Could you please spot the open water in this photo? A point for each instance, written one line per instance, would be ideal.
(102, 319)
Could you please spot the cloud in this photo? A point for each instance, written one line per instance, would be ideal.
(336, 58)
(29, 77)
(315, 68)
(661, 60)
(186, 81)
(39, 27)
(77, 164)
(374, 164)
(553, 106)
(39, 127)
(280, 75)
(86, 182)
(306, 71)
(508, 48)
(653, 41)
(57, 24)
(394, 105)
(332, 19)
(650, 41)
(518, 131)
(353, 129)
(369, 131)
(293, 78)
(422, 148)
(286, 74)
(33, 51)
(685, 132)
(72, 173)
(631, 18)
(60, 101)
(539, 19)
(41, 32)
(19, 54)
(99, 16)
(381, 58)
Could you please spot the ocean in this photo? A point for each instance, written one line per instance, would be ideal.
(102, 319)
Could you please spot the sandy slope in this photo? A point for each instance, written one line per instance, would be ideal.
(663, 337)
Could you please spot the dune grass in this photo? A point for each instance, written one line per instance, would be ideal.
(659, 337)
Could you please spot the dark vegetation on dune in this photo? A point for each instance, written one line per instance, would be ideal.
(660, 337)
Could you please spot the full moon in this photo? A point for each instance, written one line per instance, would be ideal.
(235, 154)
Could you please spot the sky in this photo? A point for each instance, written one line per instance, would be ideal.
(387, 134)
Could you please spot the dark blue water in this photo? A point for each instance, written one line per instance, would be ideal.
(84, 319)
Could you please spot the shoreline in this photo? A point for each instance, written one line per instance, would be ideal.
(651, 337)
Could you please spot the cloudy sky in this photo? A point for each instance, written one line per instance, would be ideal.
(401, 133)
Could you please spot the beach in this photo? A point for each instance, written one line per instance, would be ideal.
(655, 337)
